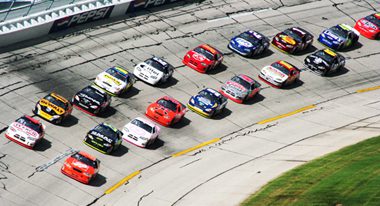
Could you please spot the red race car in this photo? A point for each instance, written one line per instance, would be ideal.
(81, 167)
(369, 26)
(293, 40)
(166, 111)
(203, 58)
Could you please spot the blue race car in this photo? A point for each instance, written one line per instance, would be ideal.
(339, 37)
(249, 43)
(207, 103)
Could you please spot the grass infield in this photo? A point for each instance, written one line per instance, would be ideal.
(350, 176)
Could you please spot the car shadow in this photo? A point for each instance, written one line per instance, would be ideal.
(183, 123)
(357, 45)
(296, 84)
(340, 72)
(257, 98)
(69, 121)
(309, 49)
(267, 53)
(157, 144)
(122, 150)
(107, 113)
(218, 69)
(98, 181)
(130, 93)
(225, 113)
(171, 82)
(43, 145)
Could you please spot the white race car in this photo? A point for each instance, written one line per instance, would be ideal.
(141, 132)
(114, 80)
(26, 131)
(153, 71)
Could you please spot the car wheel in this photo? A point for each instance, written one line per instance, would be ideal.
(59, 120)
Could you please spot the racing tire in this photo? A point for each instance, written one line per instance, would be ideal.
(58, 121)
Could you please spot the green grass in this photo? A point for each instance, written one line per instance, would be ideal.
(350, 176)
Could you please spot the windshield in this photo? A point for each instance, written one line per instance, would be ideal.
(242, 82)
(157, 65)
(168, 104)
(92, 92)
(55, 101)
(339, 31)
(324, 56)
(117, 74)
(204, 52)
(208, 96)
(293, 35)
(373, 19)
(27, 122)
(249, 38)
(281, 68)
(85, 160)
(107, 131)
(143, 125)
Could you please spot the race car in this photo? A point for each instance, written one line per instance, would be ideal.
(203, 58)
(369, 26)
(91, 100)
(104, 138)
(25, 131)
(153, 71)
(208, 102)
(249, 43)
(141, 132)
(339, 37)
(292, 40)
(240, 88)
(166, 111)
(81, 166)
(114, 80)
(324, 62)
(280, 74)
(53, 108)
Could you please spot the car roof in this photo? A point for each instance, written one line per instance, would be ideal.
(209, 48)
(85, 154)
(146, 121)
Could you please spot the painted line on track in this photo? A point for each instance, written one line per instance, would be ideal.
(195, 147)
(286, 115)
(121, 182)
(367, 89)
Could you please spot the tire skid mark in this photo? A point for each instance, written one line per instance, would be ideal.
(26, 85)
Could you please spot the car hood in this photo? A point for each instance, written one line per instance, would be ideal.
(24, 130)
(48, 106)
(367, 24)
(316, 60)
(204, 102)
(242, 42)
(236, 88)
(80, 165)
(199, 57)
(113, 81)
(274, 73)
(331, 35)
(162, 110)
(138, 131)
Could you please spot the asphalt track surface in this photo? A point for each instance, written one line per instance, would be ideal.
(316, 116)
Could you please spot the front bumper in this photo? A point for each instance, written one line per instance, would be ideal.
(199, 111)
(270, 81)
(24, 143)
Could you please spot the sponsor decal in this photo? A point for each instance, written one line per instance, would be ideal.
(105, 138)
(113, 79)
(162, 62)
(25, 129)
(329, 52)
(77, 19)
(369, 24)
(300, 31)
(199, 57)
(51, 106)
(137, 5)
(286, 64)
(89, 98)
(243, 42)
(80, 165)
(257, 35)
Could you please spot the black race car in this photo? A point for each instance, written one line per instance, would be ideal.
(91, 100)
(293, 40)
(324, 61)
(104, 138)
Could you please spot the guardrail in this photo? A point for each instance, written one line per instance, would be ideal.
(20, 8)
(60, 18)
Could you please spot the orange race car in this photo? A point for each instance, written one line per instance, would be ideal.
(81, 167)
(166, 111)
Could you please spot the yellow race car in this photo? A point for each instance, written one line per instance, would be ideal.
(53, 108)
